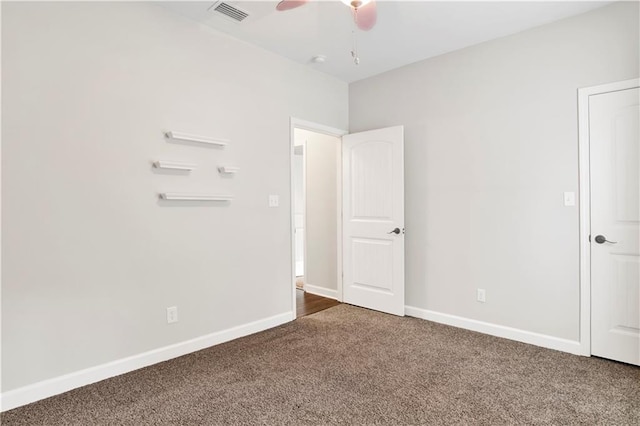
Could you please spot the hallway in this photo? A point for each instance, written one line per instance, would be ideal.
(307, 303)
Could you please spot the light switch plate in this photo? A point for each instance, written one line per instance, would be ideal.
(569, 199)
(274, 201)
(172, 314)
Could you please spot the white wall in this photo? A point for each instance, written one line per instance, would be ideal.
(298, 182)
(491, 145)
(322, 155)
(91, 258)
(298, 208)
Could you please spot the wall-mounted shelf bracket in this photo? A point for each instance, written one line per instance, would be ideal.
(179, 196)
(228, 169)
(198, 139)
(173, 165)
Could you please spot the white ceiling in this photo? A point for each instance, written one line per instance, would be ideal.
(406, 31)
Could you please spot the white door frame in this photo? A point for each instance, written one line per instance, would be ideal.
(296, 123)
(585, 203)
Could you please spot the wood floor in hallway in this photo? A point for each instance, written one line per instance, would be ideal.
(307, 303)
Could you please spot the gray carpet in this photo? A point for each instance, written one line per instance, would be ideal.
(347, 365)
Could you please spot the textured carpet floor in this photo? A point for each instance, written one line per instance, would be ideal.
(347, 365)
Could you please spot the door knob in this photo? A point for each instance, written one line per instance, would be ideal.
(395, 231)
(601, 239)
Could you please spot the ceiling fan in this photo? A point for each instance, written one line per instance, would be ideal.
(364, 11)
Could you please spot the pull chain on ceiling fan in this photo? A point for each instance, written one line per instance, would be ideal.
(354, 51)
(364, 17)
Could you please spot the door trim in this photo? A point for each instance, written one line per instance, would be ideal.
(585, 202)
(296, 123)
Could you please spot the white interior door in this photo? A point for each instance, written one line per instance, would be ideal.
(615, 218)
(373, 208)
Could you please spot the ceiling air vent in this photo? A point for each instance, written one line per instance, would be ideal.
(230, 11)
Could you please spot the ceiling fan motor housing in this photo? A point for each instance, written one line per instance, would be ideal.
(355, 3)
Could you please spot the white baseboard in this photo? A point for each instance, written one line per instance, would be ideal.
(321, 291)
(46, 388)
(550, 342)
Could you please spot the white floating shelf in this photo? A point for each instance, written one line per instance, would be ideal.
(228, 169)
(173, 165)
(179, 196)
(195, 138)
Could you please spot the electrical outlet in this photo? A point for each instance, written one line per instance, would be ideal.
(569, 199)
(172, 314)
(482, 295)
(274, 201)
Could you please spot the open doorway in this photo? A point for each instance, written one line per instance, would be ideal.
(316, 217)
(298, 211)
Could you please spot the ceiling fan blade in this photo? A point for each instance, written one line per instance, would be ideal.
(289, 4)
(366, 16)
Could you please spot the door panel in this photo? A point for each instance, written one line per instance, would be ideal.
(371, 180)
(372, 266)
(614, 140)
(373, 206)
